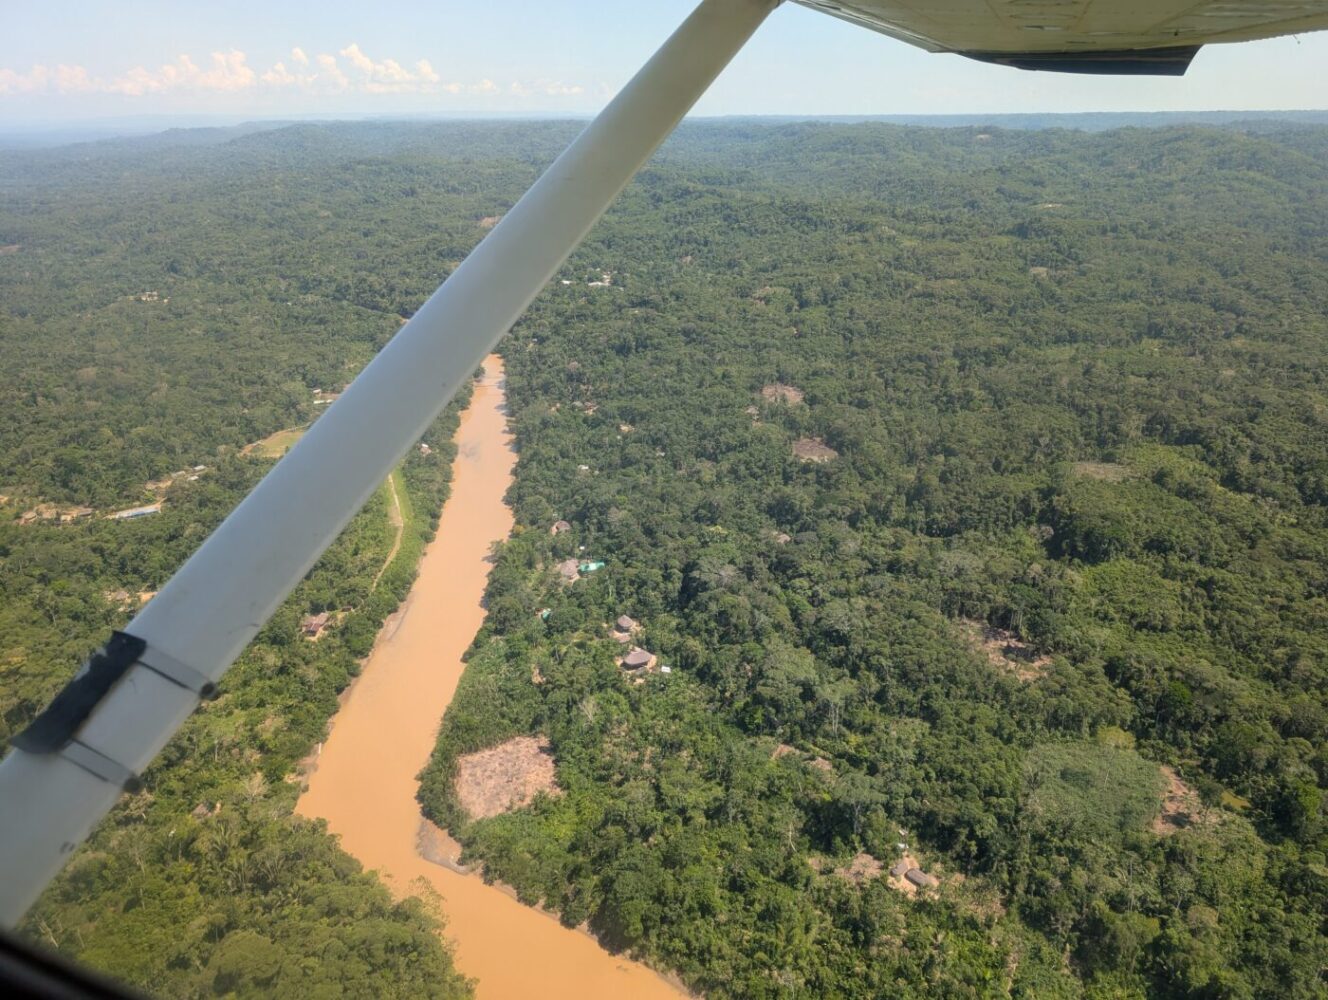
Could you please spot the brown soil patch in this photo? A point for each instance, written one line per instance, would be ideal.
(783, 750)
(863, 868)
(813, 450)
(1006, 652)
(1040, 272)
(1107, 471)
(505, 777)
(822, 765)
(1181, 807)
(9, 248)
(777, 392)
(489, 221)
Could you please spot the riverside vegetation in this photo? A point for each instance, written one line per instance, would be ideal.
(1051, 610)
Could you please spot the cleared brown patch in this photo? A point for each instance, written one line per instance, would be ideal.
(777, 392)
(1181, 807)
(489, 221)
(10, 248)
(783, 750)
(505, 777)
(814, 450)
(1040, 272)
(1006, 652)
(862, 869)
(1109, 472)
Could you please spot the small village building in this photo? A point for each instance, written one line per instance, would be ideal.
(639, 659)
(624, 628)
(569, 570)
(921, 879)
(900, 867)
(559, 527)
(313, 625)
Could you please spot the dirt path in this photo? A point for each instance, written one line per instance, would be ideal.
(364, 783)
(395, 519)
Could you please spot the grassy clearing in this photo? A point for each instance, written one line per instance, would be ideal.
(276, 444)
(1091, 791)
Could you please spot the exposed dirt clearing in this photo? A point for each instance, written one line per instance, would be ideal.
(1109, 472)
(505, 777)
(814, 450)
(777, 392)
(10, 248)
(489, 221)
(863, 868)
(1181, 807)
(1006, 652)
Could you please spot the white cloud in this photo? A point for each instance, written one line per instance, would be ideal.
(279, 76)
(329, 72)
(351, 70)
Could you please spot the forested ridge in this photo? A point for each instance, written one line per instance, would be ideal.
(1050, 611)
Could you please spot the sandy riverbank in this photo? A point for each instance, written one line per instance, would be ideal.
(364, 783)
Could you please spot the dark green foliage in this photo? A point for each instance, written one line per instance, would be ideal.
(205, 884)
(1075, 384)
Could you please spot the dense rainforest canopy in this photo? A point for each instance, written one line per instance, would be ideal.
(970, 482)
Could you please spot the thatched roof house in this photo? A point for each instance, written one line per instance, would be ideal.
(921, 879)
(638, 659)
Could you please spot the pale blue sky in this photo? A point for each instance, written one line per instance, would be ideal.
(85, 59)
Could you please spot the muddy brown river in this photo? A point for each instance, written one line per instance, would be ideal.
(364, 780)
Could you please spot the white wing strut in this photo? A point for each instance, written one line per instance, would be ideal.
(208, 612)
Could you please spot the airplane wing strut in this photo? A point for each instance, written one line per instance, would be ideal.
(78, 761)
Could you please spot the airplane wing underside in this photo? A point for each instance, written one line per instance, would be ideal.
(1157, 37)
